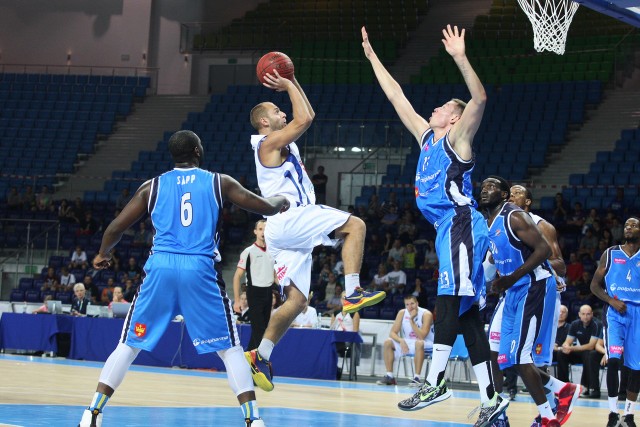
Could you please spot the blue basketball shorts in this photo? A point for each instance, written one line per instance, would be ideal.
(527, 324)
(187, 285)
(461, 244)
(623, 331)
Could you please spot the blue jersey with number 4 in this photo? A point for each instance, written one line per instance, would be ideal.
(185, 206)
(622, 277)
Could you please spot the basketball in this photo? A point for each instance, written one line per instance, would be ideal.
(274, 61)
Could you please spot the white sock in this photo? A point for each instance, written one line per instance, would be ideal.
(545, 411)
(439, 360)
(551, 398)
(629, 407)
(613, 404)
(351, 282)
(554, 384)
(266, 348)
(483, 375)
(389, 374)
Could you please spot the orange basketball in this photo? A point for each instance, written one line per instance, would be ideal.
(274, 61)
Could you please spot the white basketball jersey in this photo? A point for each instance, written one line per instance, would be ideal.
(536, 218)
(407, 331)
(290, 179)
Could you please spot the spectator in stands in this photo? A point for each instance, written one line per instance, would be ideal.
(574, 269)
(51, 281)
(78, 259)
(588, 243)
(334, 303)
(106, 296)
(389, 220)
(117, 296)
(373, 210)
(330, 289)
(396, 279)
(133, 269)
(411, 334)
(67, 279)
(91, 288)
(420, 292)
(602, 246)
(308, 317)
(14, 201)
(379, 279)
(618, 205)
(617, 232)
(242, 316)
(129, 290)
(28, 198)
(80, 301)
(396, 253)
(576, 221)
(391, 204)
(88, 225)
(560, 210)
(590, 220)
(142, 238)
(580, 342)
(583, 287)
(43, 199)
(409, 256)
(65, 213)
(561, 332)
(336, 265)
(78, 209)
(407, 229)
(319, 181)
(123, 199)
(43, 308)
(430, 256)
(276, 300)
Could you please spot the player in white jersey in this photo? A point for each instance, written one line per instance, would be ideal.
(291, 238)
(411, 334)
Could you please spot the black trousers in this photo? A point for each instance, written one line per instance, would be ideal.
(259, 300)
(590, 370)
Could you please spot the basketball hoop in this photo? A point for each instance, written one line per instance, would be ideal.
(550, 20)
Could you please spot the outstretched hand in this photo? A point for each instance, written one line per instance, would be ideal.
(276, 82)
(368, 50)
(453, 41)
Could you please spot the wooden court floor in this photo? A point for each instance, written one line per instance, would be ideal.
(53, 392)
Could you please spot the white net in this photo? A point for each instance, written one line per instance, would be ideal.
(550, 20)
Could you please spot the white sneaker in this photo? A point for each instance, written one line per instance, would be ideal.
(89, 419)
(255, 423)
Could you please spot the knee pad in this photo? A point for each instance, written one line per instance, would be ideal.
(446, 322)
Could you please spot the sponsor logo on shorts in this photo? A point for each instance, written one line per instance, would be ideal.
(502, 358)
(281, 272)
(494, 336)
(616, 349)
(619, 261)
(539, 348)
(140, 329)
(198, 341)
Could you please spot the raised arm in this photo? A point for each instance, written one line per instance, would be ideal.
(416, 124)
(556, 260)
(130, 214)
(463, 131)
(245, 199)
(302, 118)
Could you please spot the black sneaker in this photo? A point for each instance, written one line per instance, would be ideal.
(627, 421)
(491, 410)
(426, 395)
(614, 419)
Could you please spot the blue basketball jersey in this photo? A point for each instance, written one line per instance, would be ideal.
(443, 179)
(509, 252)
(622, 275)
(185, 206)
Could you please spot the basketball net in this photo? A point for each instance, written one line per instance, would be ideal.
(550, 20)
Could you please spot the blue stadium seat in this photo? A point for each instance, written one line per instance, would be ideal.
(16, 295)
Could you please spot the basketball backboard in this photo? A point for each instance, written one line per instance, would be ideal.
(624, 10)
